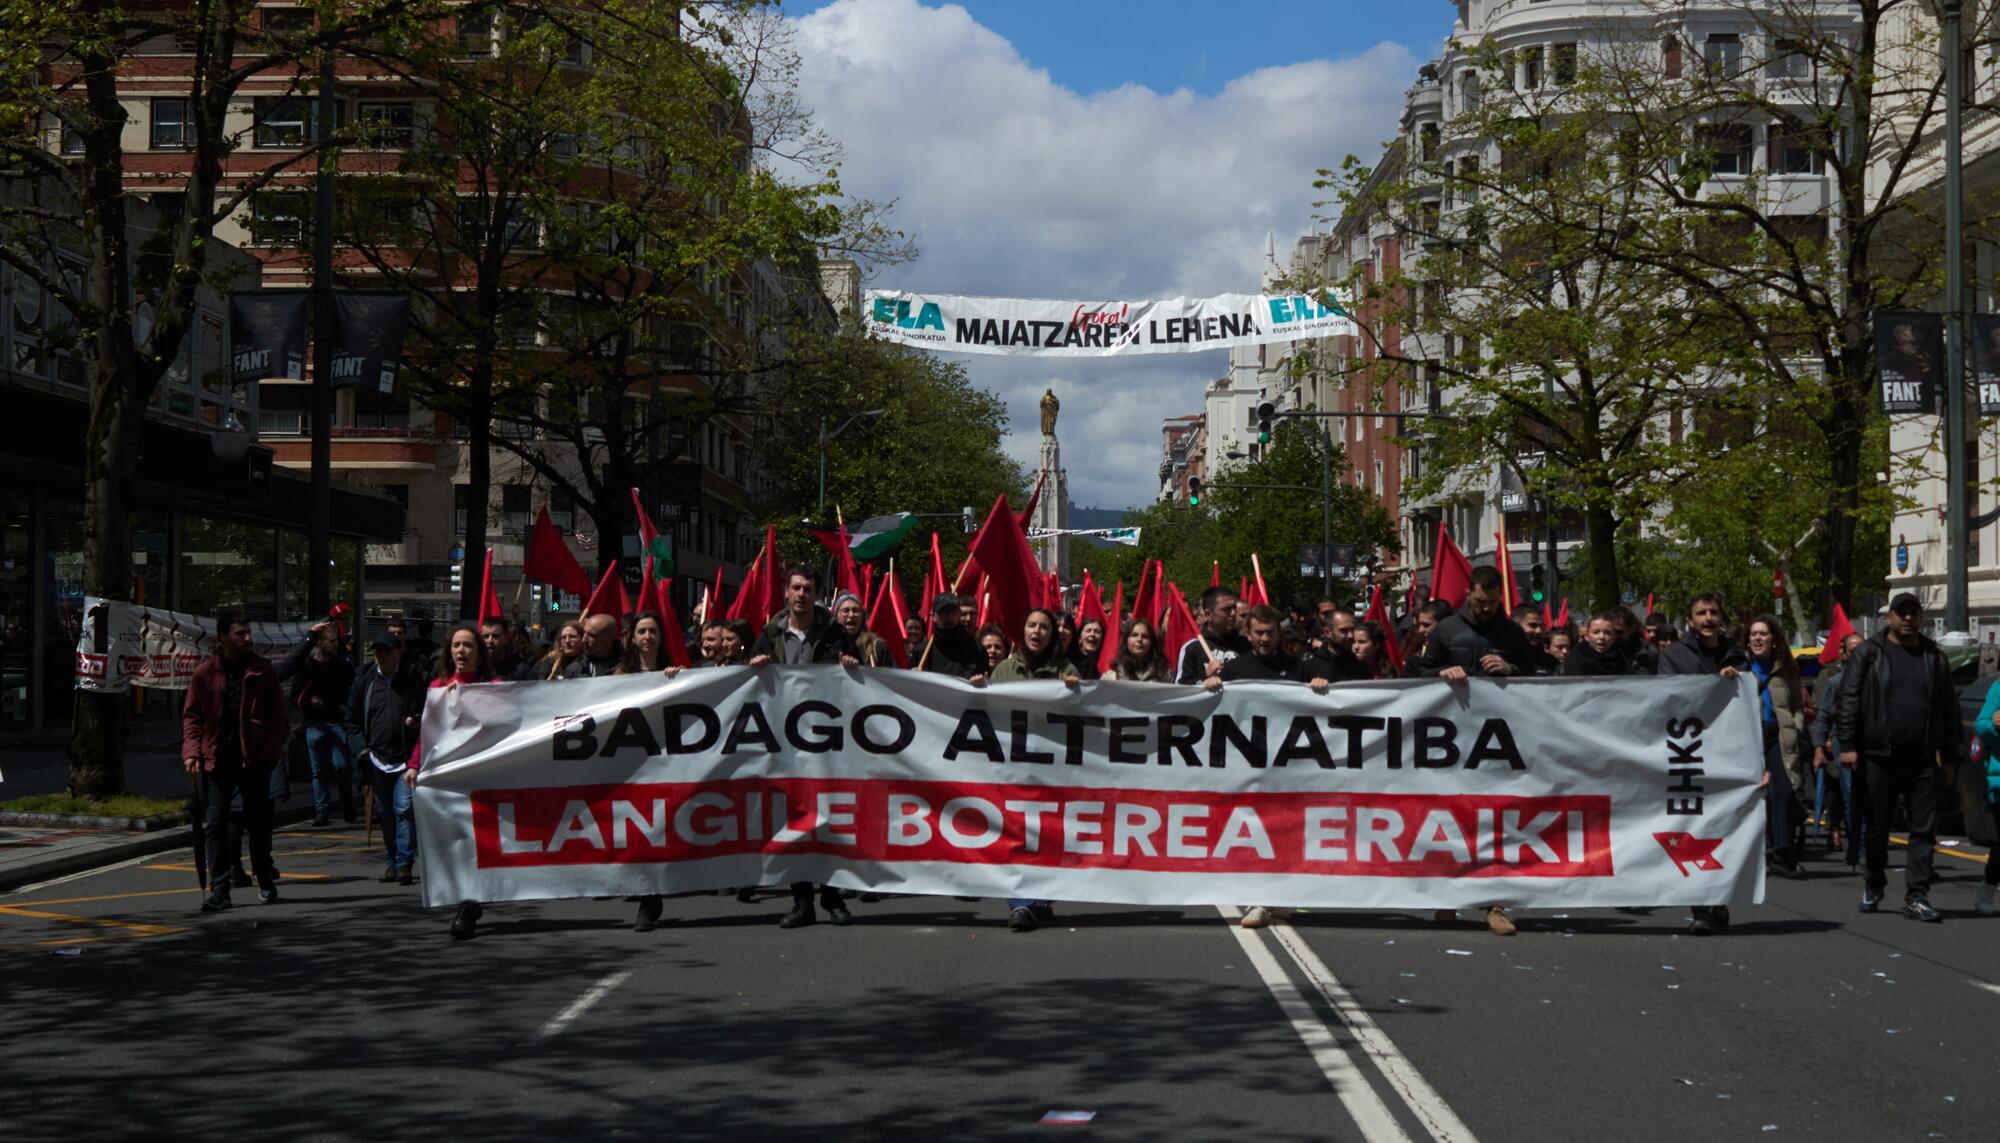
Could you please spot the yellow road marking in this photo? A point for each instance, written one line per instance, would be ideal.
(116, 896)
(189, 868)
(135, 926)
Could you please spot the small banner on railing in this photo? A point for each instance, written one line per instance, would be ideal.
(125, 645)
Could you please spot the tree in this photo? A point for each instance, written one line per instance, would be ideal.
(67, 184)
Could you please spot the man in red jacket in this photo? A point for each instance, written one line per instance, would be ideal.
(232, 734)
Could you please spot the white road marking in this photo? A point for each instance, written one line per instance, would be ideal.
(1423, 1100)
(83, 873)
(1994, 988)
(1377, 1123)
(579, 1006)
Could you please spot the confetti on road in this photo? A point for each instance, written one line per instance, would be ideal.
(1068, 1117)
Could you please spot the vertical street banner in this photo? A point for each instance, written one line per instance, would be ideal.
(1909, 361)
(1391, 795)
(1986, 362)
(957, 323)
(123, 645)
(267, 335)
(368, 345)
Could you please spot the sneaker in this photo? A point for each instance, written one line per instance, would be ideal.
(1982, 902)
(403, 876)
(1498, 924)
(649, 915)
(1919, 909)
(267, 893)
(1256, 917)
(1021, 920)
(1871, 899)
(388, 874)
(217, 900)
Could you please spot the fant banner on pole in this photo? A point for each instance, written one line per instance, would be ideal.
(1408, 794)
(961, 324)
(130, 645)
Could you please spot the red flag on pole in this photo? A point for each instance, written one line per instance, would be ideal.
(1034, 498)
(1009, 566)
(1181, 628)
(489, 600)
(885, 619)
(845, 577)
(549, 559)
(1836, 633)
(985, 597)
(1143, 606)
(609, 598)
(1410, 597)
(1562, 617)
(1263, 592)
(749, 593)
(1649, 603)
(1114, 630)
(1215, 573)
(714, 599)
(1451, 572)
(674, 635)
(1378, 614)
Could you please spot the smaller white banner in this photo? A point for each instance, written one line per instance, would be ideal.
(130, 645)
(1126, 536)
(1040, 326)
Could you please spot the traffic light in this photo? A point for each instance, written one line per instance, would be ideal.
(1265, 412)
(1537, 585)
(1194, 491)
(966, 514)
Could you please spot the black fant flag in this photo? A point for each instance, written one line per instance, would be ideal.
(1986, 362)
(368, 339)
(267, 335)
(1909, 361)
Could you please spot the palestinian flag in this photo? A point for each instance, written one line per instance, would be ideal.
(877, 534)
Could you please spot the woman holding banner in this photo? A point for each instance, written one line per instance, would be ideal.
(1139, 658)
(462, 662)
(567, 649)
(1087, 652)
(1039, 656)
(860, 646)
(645, 649)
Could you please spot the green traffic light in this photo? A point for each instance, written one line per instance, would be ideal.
(1536, 596)
(1263, 438)
(1194, 501)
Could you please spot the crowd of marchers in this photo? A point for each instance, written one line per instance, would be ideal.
(1875, 733)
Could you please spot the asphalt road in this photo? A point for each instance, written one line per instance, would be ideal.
(345, 1012)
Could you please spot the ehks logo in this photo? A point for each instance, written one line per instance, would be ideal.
(887, 310)
(1299, 307)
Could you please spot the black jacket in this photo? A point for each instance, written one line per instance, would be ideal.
(1329, 664)
(950, 651)
(1251, 668)
(327, 681)
(1687, 656)
(1585, 663)
(1861, 702)
(378, 704)
(1192, 666)
(824, 639)
(1461, 641)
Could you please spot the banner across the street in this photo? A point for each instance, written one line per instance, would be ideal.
(125, 645)
(1129, 537)
(1410, 794)
(962, 324)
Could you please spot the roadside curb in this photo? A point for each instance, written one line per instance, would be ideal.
(84, 858)
(95, 821)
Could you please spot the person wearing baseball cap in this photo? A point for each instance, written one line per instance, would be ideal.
(951, 650)
(1897, 720)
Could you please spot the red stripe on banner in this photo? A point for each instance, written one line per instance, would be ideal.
(981, 823)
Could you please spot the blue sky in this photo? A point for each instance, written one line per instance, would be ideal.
(1119, 150)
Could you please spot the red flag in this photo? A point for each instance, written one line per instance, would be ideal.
(1143, 597)
(1053, 597)
(1114, 634)
(749, 594)
(1215, 573)
(1089, 602)
(489, 600)
(885, 619)
(1548, 616)
(609, 598)
(845, 577)
(1649, 603)
(1243, 590)
(1410, 597)
(1451, 572)
(985, 611)
(1009, 566)
(1263, 593)
(1685, 849)
(867, 592)
(714, 599)
(967, 578)
(550, 560)
(1181, 627)
(1836, 634)
(1034, 498)
(1378, 614)
(1562, 617)
(647, 593)
(674, 637)
(933, 585)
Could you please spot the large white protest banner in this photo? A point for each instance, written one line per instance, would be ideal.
(960, 324)
(1412, 794)
(124, 645)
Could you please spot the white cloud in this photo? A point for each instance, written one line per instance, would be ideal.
(1012, 184)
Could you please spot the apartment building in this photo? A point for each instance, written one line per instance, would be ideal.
(1183, 454)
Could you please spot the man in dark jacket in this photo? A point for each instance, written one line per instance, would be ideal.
(1535, 625)
(1193, 662)
(1478, 642)
(1266, 660)
(501, 657)
(602, 654)
(1897, 719)
(1705, 651)
(321, 677)
(951, 650)
(382, 714)
(232, 735)
(802, 634)
(1330, 657)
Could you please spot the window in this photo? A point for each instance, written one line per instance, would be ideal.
(1723, 53)
(1531, 67)
(288, 23)
(461, 502)
(1788, 60)
(562, 509)
(392, 126)
(515, 508)
(1562, 62)
(475, 35)
(1670, 57)
(279, 219)
(1730, 146)
(1791, 154)
(1468, 174)
(72, 141)
(1468, 92)
(173, 124)
(289, 121)
(1427, 137)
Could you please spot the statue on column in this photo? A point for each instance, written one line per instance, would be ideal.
(1049, 408)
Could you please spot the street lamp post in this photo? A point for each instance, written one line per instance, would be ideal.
(826, 438)
(1956, 604)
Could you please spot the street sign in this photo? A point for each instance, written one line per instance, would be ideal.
(1902, 557)
(1629, 597)
(457, 554)
(1341, 557)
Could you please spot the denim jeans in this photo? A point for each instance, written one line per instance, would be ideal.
(392, 808)
(332, 766)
